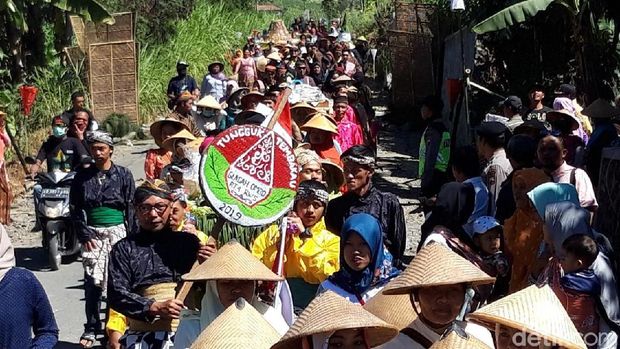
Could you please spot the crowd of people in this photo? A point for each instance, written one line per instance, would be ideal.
(507, 257)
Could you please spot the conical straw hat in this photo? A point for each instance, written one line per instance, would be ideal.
(321, 122)
(534, 310)
(437, 265)
(300, 112)
(232, 262)
(238, 327)
(183, 134)
(157, 126)
(208, 101)
(395, 310)
(454, 339)
(328, 313)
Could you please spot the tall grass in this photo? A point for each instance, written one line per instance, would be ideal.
(211, 33)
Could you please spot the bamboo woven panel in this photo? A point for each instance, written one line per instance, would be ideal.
(121, 30)
(412, 67)
(80, 32)
(412, 17)
(113, 79)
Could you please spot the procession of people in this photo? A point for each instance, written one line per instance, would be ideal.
(508, 256)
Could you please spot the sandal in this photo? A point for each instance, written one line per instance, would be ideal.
(87, 339)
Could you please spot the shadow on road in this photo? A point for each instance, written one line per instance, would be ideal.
(31, 258)
(67, 345)
(35, 259)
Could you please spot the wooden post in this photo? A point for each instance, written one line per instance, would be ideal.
(17, 151)
(215, 234)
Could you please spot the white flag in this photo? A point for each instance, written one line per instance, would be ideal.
(457, 5)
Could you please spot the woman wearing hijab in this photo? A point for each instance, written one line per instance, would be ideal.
(455, 204)
(549, 193)
(366, 265)
(331, 322)
(311, 252)
(230, 273)
(563, 220)
(523, 231)
(25, 308)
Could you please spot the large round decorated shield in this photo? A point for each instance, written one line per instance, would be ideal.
(249, 175)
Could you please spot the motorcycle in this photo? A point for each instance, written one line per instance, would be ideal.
(54, 216)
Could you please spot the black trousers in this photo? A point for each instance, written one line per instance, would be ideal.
(92, 305)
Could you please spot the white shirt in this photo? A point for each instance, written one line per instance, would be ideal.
(402, 341)
(328, 285)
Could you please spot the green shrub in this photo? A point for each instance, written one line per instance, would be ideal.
(117, 124)
(212, 32)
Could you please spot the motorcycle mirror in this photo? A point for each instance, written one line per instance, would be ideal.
(30, 160)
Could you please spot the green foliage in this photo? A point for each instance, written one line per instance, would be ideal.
(117, 124)
(511, 15)
(156, 20)
(210, 34)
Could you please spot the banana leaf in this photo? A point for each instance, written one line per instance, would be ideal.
(511, 15)
(205, 220)
(89, 10)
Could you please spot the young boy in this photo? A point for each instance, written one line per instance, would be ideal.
(487, 238)
(581, 287)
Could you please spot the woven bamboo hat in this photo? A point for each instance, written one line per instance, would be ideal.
(328, 313)
(437, 265)
(232, 262)
(238, 327)
(334, 175)
(261, 64)
(183, 134)
(159, 124)
(601, 109)
(534, 310)
(275, 56)
(395, 310)
(458, 339)
(320, 121)
(301, 112)
(208, 101)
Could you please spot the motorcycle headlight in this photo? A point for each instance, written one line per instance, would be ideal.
(54, 209)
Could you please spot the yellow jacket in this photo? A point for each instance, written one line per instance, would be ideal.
(117, 322)
(313, 259)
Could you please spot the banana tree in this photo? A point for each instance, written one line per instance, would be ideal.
(14, 17)
(588, 45)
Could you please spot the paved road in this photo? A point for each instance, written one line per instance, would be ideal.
(64, 287)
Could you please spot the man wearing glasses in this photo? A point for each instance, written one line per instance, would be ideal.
(146, 267)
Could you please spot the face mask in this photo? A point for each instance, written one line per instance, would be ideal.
(208, 113)
(59, 131)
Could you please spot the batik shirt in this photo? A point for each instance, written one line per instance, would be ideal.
(94, 188)
(146, 259)
(383, 206)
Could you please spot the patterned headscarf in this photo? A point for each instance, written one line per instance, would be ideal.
(312, 190)
(305, 156)
(360, 160)
(156, 187)
(99, 137)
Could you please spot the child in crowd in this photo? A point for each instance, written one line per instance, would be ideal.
(488, 240)
(181, 218)
(581, 287)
